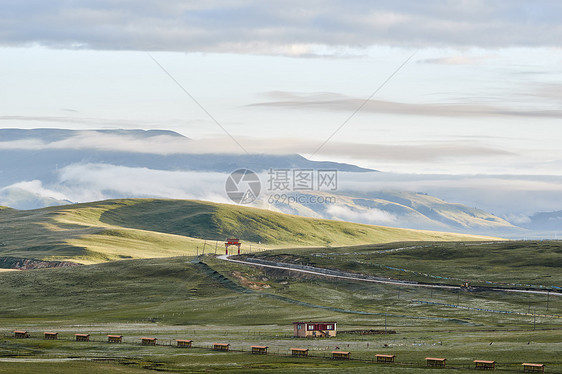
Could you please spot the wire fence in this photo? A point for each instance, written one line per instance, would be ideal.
(487, 310)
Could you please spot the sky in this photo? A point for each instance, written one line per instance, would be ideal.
(466, 87)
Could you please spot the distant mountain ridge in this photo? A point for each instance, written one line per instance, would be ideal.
(49, 167)
(402, 209)
(38, 154)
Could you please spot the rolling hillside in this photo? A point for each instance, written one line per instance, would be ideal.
(403, 209)
(147, 228)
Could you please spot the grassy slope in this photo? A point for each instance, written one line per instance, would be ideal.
(139, 290)
(514, 262)
(144, 228)
(75, 233)
(179, 298)
(182, 290)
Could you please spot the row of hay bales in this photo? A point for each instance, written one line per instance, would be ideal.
(296, 352)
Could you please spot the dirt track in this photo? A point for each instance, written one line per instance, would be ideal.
(364, 278)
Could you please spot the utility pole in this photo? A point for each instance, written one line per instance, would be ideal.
(216, 246)
(204, 244)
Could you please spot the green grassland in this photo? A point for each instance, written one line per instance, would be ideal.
(147, 228)
(210, 300)
(498, 263)
(159, 288)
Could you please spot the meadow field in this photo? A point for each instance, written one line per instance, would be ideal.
(208, 300)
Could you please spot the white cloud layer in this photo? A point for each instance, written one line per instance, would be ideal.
(90, 182)
(279, 27)
(36, 187)
(503, 195)
(370, 216)
(335, 102)
(168, 145)
(162, 144)
(511, 197)
(458, 155)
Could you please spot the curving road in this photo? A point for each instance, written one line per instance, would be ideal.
(348, 276)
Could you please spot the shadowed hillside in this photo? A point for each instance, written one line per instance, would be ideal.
(147, 228)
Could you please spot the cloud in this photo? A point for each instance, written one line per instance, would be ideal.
(517, 219)
(502, 195)
(456, 60)
(90, 122)
(94, 182)
(326, 101)
(90, 182)
(278, 27)
(511, 197)
(549, 91)
(175, 145)
(498, 194)
(35, 187)
(370, 216)
(415, 153)
(160, 144)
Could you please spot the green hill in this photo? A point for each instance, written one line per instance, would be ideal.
(530, 264)
(148, 228)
